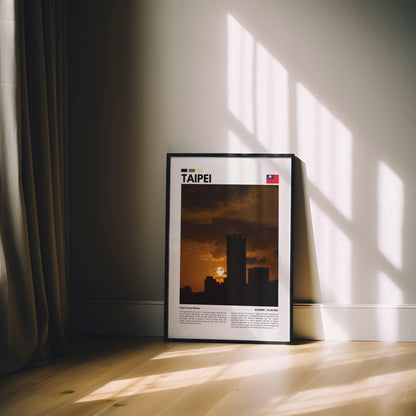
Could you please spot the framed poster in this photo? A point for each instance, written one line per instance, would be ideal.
(228, 247)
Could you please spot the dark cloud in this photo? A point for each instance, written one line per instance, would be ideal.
(257, 235)
(255, 260)
(207, 204)
(202, 197)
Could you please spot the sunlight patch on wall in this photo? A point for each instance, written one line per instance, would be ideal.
(390, 214)
(258, 99)
(236, 145)
(334, 255)
(325, 145)
(241, 170)
(257, 91)
(389, 292)
(240, 73)
(272, 102)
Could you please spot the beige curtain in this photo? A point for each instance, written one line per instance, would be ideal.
(33, 189)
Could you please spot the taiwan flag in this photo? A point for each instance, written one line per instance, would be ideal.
(272, 178)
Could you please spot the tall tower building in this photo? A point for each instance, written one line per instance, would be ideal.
(236, 268)
(258, 285)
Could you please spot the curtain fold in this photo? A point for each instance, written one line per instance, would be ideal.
(34, 220)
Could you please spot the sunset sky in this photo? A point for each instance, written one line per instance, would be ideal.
(210, 212)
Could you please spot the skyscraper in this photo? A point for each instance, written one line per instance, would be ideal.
(236, 268)
(258, 285)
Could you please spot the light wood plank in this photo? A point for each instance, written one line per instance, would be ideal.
(132, 376)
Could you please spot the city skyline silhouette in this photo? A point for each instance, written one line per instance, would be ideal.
(234, 289)
(233, 228)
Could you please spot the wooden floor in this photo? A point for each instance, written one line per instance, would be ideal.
(133, 376)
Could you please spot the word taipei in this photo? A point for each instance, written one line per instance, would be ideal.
(195, 176)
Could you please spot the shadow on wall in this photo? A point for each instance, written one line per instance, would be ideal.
(270, 109)
(109, 185)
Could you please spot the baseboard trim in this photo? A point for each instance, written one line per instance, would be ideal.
(112, 317)
(354, 322)
(359, 322)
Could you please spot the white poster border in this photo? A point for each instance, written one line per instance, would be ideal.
(229, 322)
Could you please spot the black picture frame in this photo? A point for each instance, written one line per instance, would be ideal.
(228, 247)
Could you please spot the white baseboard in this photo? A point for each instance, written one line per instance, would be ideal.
(310, 321)
(354, 322)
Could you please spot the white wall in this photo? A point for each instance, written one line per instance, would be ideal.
(331, 81)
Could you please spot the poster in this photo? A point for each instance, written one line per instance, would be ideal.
(228, 247)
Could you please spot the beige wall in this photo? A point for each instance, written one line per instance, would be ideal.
(331, 81)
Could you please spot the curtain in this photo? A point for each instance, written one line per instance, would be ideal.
(33, 186)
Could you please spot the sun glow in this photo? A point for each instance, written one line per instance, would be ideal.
(220, 271)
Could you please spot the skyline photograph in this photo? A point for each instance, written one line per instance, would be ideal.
(225, 228)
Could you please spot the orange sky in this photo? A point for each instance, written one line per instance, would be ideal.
(210, 212)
